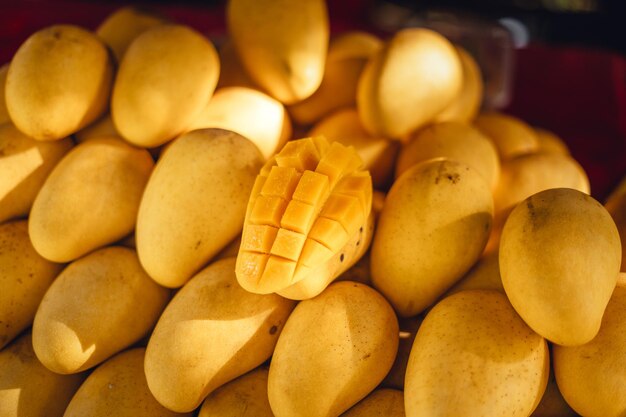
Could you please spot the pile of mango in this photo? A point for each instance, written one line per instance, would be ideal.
(293, 225)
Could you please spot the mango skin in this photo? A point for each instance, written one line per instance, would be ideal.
(466, 105)
(245, 396)
(380, 403)
(510, 135)
(90, 199)
(616, 206)
(347, 55)
(4, 113)
(122, 26)
(452, 140)
(591, 377)
(251, 113)
(185, 363)
(58, 82)
(118, 388)
(194, 203)
(29, 389)
(24, 278)
(433, 228)
(408, 82)
(473, 355)
(559, 259)
(167, 76)
(24, 166)
(91, 311)
(334, 350)
(282, 44)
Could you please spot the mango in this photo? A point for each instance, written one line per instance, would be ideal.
(560, 255)
(307, 204)
(194, 203)
(118, 388)
(591, 376)
(212, 332)
(167, 76)
(90, 199)
(25, 163)
(510, 135)
(4, 113)
(246, 395)
(91, 311)
(466, 104)
(58, 82)
(334, 350)
(433, 228)
(551, 143)
(377, 153)
(29, 389)
(251, 113)
(473, 355)
(380, 403)
(101, 127)
(24, 278)
(282, 44)
(403, 87)
(616, 206)
(452, 140)
(347, 55)
(122, 26)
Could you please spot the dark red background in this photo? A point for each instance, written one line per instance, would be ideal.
(580, 94)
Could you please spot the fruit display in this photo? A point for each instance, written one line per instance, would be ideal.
(291, 222)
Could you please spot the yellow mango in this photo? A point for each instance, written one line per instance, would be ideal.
(433, 228)
(25, 163)
(245, 396)
(118, 388)
(334, 350)
(24, 278)
(165, 79)
(403, 87)
(380, 403)
(90, 199)
(29, 389)
(452, 140)
(249, 112)
(58, 82)
(466, 105)
(552, 403)
(232, 73)
(320, 276)
(474, 356)
(510, 135)
(122, 26)
(211, 332)
(560, 255)
(484, 275)
(524, 175)
(101, 127)
(591, 377)
(4, 113)
(347, 55)
(549, 142)
(616, 206)
(194, 203)
(98, 306)
(307, 204)
(281, 44)
(377, 153)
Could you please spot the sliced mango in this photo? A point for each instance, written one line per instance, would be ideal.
(306, 204)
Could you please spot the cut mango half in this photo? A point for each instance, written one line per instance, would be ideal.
(307, 202)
